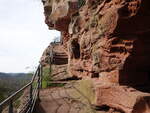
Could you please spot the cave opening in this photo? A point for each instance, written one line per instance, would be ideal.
(76, 49)
(136, 73)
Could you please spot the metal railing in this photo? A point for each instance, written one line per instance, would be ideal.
(34, 86)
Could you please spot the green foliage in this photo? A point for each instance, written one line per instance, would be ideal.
(44, 84)
(1, 96)
(46, 78)
(11, 82)
(46, 72)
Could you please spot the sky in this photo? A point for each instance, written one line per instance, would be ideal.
(23, 35)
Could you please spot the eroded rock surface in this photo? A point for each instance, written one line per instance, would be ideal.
(106, 40)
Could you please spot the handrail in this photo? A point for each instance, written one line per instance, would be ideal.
(34, 94)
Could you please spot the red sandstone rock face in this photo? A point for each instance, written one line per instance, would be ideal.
(109, 40)
(58, 13)
(105, 39)
(125, 99)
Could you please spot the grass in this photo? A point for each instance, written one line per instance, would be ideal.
(44, 84)
(46, 76)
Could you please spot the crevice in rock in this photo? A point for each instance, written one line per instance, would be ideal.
(99, 108)
(76, 49)
(107, 109)
(80, 70)
(95, 75)
(70, 78)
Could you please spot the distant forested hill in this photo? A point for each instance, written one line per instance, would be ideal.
(11, 82)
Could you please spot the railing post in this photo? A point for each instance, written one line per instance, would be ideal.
(31, 89)
(31, 98)
(10, 107)
(39, 84)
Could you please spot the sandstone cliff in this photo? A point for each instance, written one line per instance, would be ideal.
(107, 41)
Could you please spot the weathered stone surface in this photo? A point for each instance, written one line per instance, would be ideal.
(106, 40)
(123, 98)
(58, 13)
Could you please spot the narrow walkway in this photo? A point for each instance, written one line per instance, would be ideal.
(66, 99)
(76, 96)
(70, 98)
(61, 100)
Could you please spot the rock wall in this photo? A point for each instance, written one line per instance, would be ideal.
(106, 40)
(49, 54)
